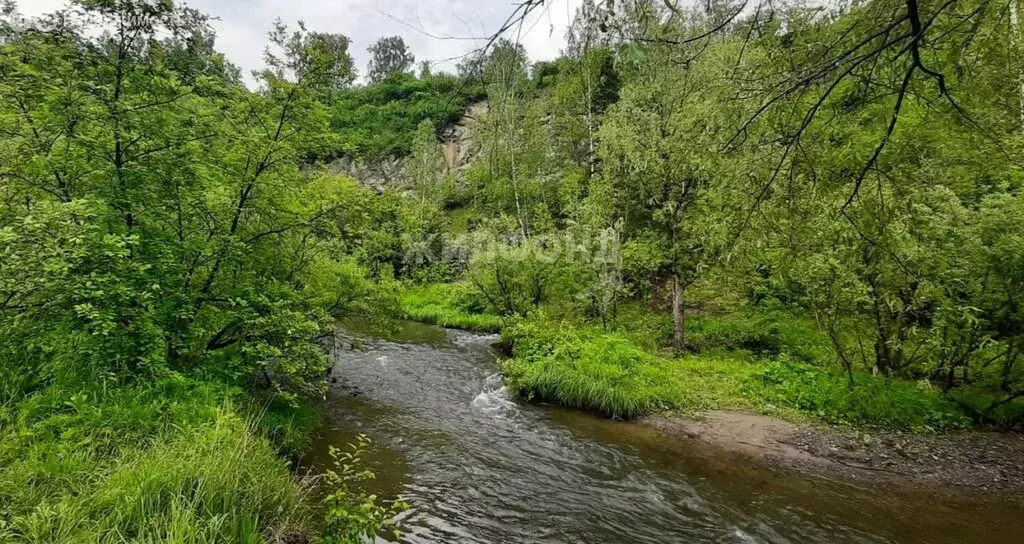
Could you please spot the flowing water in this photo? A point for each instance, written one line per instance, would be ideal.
(477, 466)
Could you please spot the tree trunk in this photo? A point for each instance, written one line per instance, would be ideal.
(1014, 45)
(591, 162)
(1008, 364)
(678, 315)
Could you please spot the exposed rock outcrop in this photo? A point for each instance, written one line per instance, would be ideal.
(457, 140)
(456, 147)
(376, 175)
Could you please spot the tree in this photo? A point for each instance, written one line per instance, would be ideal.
(198, 236)
(1000, 228)
(389, 55)
(586, 87)
(657, 147)
(511, 176)
(425, 169)
(425, 70)
(320, 60)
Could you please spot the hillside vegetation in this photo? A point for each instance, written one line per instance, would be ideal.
(814, 212)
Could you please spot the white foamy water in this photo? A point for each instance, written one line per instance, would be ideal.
(494, 399)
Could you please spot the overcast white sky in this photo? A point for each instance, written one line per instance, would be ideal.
(243, 24)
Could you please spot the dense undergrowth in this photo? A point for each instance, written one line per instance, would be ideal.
(163, 304)
(380, 120)
(608, 372)
(178, 461)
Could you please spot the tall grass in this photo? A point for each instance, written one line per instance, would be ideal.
(608, 373)
(455, 305)
(604, 374)
(169, 463)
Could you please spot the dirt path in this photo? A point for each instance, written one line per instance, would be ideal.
(985, 461)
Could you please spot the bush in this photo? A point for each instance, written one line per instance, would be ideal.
(764, 334)
(379, 120)
(991, 408)
(767, 334)
(516, 279)
(351, 515)
(871, 400)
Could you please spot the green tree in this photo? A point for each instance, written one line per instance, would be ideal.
(586, 87)
(425, 169)
(513, 176)
(320, 60)
(389, 55)
(197, 242)
(659, 149)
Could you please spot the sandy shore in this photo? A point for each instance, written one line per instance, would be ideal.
(980, 460)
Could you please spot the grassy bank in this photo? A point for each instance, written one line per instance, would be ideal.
(765, 361)
(177, 461)
(454, 305)
(611, 373)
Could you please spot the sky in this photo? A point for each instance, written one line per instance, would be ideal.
(437, 30)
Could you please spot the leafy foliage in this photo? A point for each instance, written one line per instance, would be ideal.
(389, 55)
(350, 515)
(381, 120)
(819, 210)
(749, 178)
(319, 59)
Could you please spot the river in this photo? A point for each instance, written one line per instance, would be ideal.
(477, 466)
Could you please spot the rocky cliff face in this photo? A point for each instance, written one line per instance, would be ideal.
(457, 141)
(456, 147)
(376, 175)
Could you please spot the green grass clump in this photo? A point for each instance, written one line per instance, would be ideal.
(455, 305)
(171, 462)
(872, 400)
(290, 427)
(607, 373)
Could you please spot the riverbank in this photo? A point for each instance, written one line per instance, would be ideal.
(452, 305)
(177, 460)
(476, 466)
(982, 461)
(760, 385)
(614, 374)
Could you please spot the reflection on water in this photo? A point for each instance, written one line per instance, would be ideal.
(479, 467)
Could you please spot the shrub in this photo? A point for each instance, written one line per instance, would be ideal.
(767, 334)
(378, 120)
(351, 515)
(870, 400)
(516, 279)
